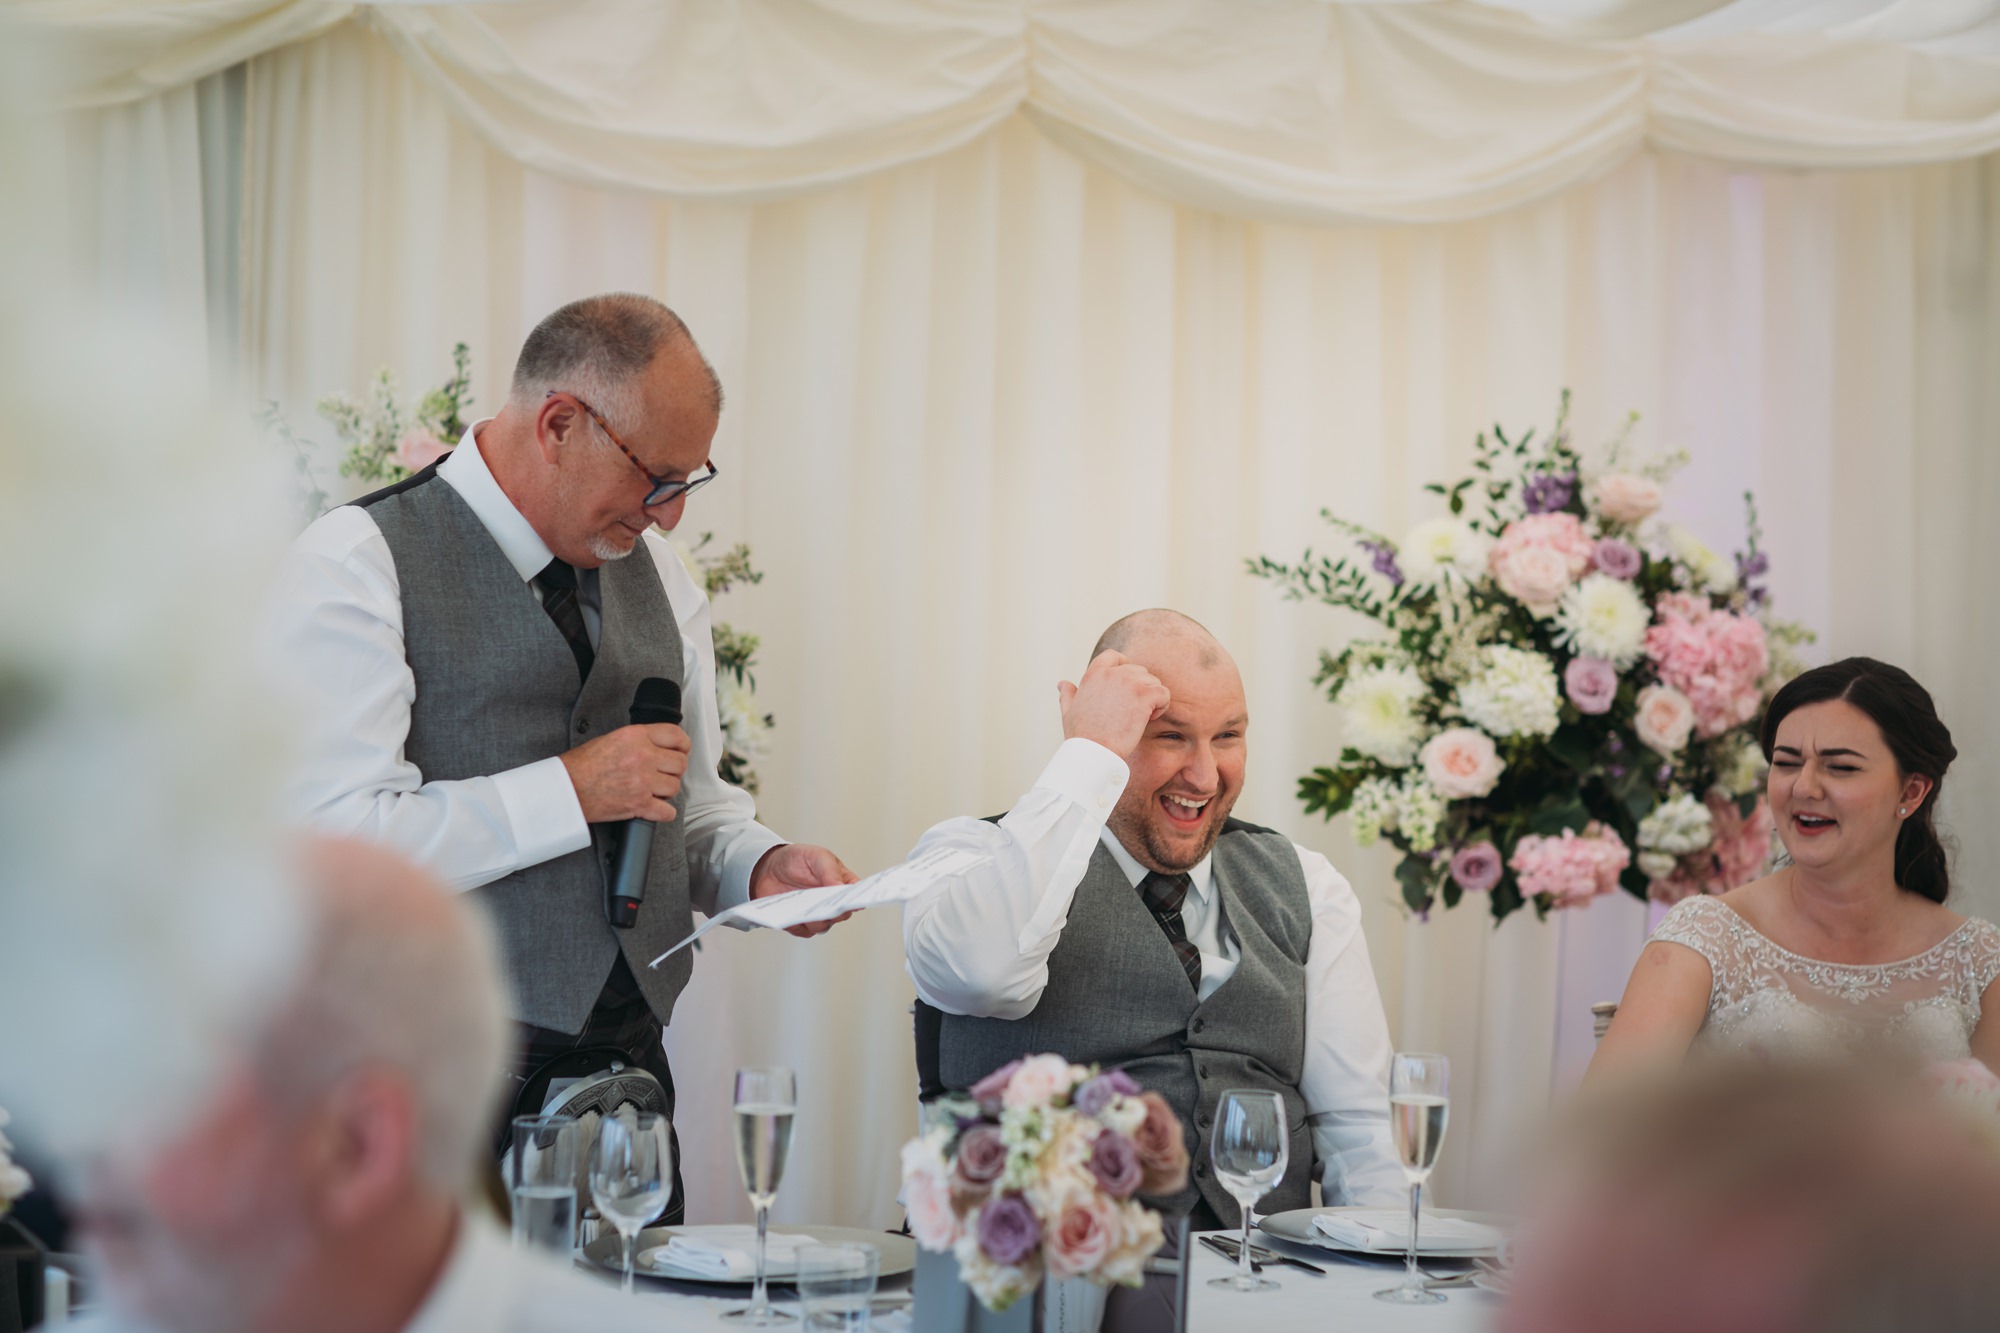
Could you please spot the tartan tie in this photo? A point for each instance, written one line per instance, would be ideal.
(1164, 895)
(558, 584)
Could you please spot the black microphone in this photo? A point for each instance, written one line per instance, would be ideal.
(657, 700)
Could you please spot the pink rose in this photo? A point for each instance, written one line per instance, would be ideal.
(1538, 557)
(927, 1197)
(1620, 560)
(1477, 868)
(418, 449)
(1591, 683)
(1741, 845)
(1082, 1236)
(990, 1088)
(1162, 1146)
(1038, 1082)
(1461, 763)
(1665, 717)
(1624, 498)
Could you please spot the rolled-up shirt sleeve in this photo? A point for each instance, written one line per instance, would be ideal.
(335, 635)
(978, 943)
(1346, 1081)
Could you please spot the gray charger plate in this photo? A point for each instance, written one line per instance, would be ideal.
(899, 1253)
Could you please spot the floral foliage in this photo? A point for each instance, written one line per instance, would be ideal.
(1560, 697)
(1038, 1171)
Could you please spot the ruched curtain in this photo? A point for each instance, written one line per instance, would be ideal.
(1029, 316)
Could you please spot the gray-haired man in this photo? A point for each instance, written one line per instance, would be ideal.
(474, 635)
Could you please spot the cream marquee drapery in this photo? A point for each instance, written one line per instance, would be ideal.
(940, 369)
(1299, 109)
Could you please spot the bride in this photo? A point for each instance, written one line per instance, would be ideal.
(1849, 948)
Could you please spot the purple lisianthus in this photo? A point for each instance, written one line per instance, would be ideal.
(1477, 868)
(1008, 1230)
(982, 1155)
(1114, 1161)
(1621, 560)
(1548, 492)
(1591, 683)
(988, 1089)
(1100, 1092)
(1384, 561)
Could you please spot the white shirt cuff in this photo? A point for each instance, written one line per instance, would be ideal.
(1087, 774)
(741, 862)
(542, 810)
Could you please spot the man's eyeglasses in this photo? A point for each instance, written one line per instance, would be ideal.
(663, 491)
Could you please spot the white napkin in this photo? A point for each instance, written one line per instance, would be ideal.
(1387, 1230)
(723, 1254)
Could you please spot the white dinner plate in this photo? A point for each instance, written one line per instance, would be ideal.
(1297, 1226)
(899, 1253)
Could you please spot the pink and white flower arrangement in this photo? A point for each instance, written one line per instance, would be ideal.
(1039, 1170)
(1577, 714)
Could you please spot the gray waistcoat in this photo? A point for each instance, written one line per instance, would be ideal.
(497, 687)
(1117, 996)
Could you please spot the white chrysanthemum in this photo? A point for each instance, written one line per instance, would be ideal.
(1419, 811)
(1373, 810)
(1739, 770)
(1657, 865)
(1708, 569)
(744, 728)
(1677, 827)
(1440, 548)
(1513, 693)
(1603, 617)
(1379, 706)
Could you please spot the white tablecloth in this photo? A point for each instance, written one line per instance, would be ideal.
(1343, 1299)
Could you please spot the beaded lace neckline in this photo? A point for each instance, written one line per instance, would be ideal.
(1744, 923)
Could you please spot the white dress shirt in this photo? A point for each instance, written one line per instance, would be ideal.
(337, 631)
(979, 944)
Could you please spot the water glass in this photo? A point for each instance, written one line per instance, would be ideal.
(1250, 1148)
(766, 1100)
(541, 1182)
(631, 1171)
(836, 1284)
(1419, 1107)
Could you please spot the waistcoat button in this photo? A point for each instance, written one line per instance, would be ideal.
(1200, 1023)
(582, 725)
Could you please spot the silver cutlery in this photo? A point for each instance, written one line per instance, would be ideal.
(1228, 1251)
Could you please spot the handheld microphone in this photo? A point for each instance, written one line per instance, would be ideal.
(657, 700)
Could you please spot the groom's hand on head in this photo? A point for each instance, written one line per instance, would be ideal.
(1112, 704)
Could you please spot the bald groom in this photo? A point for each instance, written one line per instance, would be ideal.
(1125, 919)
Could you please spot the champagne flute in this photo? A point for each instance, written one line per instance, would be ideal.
(1419, 1105)
(631, 1170)
(766, 1099)
(1249, 1149)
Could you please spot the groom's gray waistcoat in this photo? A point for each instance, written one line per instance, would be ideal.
(1117, 996)
(497, 687)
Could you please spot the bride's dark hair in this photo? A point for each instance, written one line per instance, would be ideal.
(1908, 720)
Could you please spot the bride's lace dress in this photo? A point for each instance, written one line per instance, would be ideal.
(1766, 1000)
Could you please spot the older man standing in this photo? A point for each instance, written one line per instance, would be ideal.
(323, 1182)
(474, 636)
(1126, 919)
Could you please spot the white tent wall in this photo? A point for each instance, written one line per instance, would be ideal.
(983, 403)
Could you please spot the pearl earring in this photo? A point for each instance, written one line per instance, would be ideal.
(1901, 810)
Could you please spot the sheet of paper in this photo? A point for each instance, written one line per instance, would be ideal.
(897, 884)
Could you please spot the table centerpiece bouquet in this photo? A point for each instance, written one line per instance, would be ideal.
(1563, 694)
(1036, 1171)
(383, 442)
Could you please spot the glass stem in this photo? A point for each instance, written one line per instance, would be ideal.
(1414, 1281)
(759, 1301)
(631, 1245)
(1243, 1252)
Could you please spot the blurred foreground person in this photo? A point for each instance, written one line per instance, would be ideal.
(1767, 1199)
(323, 1185)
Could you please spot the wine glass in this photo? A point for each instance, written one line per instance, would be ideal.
(1249, 1149)
(1419, 1092)
(766, 1099)
(631, 1170)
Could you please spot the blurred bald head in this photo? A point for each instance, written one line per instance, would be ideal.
(1158, 634)
(320, 1183)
